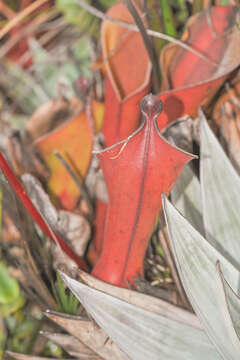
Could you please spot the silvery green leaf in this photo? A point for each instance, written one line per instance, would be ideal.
(139, 333)
(50, 73)
(232, 301)
(196, 261)
(186, 197)
(220, 185)
(61, 68)
(144, 301)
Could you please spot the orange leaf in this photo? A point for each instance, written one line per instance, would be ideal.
(74, 141)
(97, 109)
(52, 114)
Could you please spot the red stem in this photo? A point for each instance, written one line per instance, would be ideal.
(23, 197)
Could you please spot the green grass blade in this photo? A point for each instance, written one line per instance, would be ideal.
(168, 18)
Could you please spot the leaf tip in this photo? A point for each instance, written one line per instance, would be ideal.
(63, 276)
(164, 198)
(165, 205)
(203, 120)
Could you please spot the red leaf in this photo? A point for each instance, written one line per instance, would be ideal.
(128, 79)
(137, 171)
(21, 194)
(189, 80)
(121, 118)
(127, 75)
(180, 102)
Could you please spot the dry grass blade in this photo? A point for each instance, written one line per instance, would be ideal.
(88, 333)
(83, 189)
(20, 16)
(32, 28)
(34, 263)
(73, 346)
(28, 357)
(6, 11)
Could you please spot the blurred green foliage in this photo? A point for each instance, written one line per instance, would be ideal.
(62, 70)
(22, 332)
(3, 337)
(53, 350)
(11, 298)
(79, 17)
(51, 71)
(9, 287)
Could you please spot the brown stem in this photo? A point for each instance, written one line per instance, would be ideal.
(80, 185)
(95, 12)
(148, 44)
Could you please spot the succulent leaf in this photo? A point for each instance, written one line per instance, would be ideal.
(220, 189)
(139, 333)
(232, 301)
(186, 197)
(196, 260)
(144, 301)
